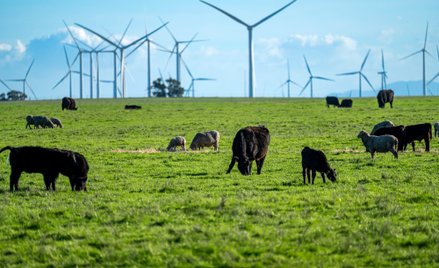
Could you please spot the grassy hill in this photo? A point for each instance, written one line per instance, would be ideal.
(148, 207)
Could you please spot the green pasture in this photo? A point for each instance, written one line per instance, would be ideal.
(149, 208)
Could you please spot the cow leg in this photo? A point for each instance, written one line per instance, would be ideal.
(427, 144)
(323, 177)
(313, 175)
(259, 164)
(372, 153)
(47, 181)
(231, 165)
(391, 104)
(250, 168)
(395, 153)
(413, 145)
(13, 180)
(304, 175)
(308, 174)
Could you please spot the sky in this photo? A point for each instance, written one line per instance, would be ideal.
(334, 36)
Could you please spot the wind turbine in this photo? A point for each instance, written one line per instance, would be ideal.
(383, 72)
(69, 72)
(437, 75)
(423, 51)
(192, 84)
(289, 81)
(121, 49)
(24, 81)
(361, 75)
(250, 39)
(311, 77)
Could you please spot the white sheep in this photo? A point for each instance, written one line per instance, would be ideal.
(381, 144)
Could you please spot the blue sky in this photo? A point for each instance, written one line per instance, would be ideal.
(333, 35)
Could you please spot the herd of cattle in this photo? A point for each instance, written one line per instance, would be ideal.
(384, 96)
(250, 144)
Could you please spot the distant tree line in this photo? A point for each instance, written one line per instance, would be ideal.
(13, 95)
(169, 88)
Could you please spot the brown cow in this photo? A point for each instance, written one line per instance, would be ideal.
(250, 143)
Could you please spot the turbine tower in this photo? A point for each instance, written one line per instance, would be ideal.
(69, 72)
(121, 49)
(361, 75)
(24, 81)
(310, 80)
(289, 81)
(383, 72)
(191, 87)
(423, 51)
(250, 39)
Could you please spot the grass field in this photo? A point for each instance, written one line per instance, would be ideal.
(147, 207)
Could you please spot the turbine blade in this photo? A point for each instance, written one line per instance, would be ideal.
(31, 90)
(414, 53)
(309, 81)
(323, 78)
(169, 31)
(367, 80)
(426, 51)
(71, 35)
(125, 32)
(364, 61)
(144, 37)
(295, 83)
(272, 14)
(382, 60)
(226, 13)
(67, 58)
(426, 34)
(1, 81)
(28, 70)
(15, 80)
(204, 79)
(61, 80)
(351, 73)
(437, 50)
(188, 43)
(74, 60)
(101, 36)
(436, 76)
(307, 65)
(187, 68)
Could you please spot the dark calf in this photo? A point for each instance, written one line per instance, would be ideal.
(331, 100)
(50, 163)
(417, 132)
(397, 131)
(250, 144)
(133, 107)
(315, 160)
(346, 103)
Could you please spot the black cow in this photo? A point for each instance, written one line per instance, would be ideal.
(417, 132)
(346, 103)
(315, 160)
(385, 95)
(69, 104)
(133, 107)
(49, 162)
(250, 143)
(331, 100)
(397, 131)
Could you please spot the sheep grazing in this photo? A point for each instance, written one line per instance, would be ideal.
(177, 141)
(386, 123)
(42, 121)
(436, 129)
(207, 139)
(315, 160)
(56, 122)
(381, 144)
(30, 121)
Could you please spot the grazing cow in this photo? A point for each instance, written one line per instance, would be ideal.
(397, 131)
(386, 123)
(69, 104)
(346, 103)
(250, 144)
(331, 100)
(385, 95)
(417, 132)
(30, 121)
(56, 122)
(207, 139)
(177, 141)
(436, 129)
(380, 144)
(315, 160)
(49, 162)
(133, 107)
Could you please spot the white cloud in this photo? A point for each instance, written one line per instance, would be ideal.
(387, 35)
(5, 47)
(83, 36)
(20, 47)
(327, 40)
(209, 51)
(272, 46)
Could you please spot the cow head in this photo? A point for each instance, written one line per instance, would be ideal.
(332, 175)
(244, 166)
(80, 184)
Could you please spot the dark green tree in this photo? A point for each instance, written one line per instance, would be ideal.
(168, 88)
(174, 88)
(15, 95)
(158, 88)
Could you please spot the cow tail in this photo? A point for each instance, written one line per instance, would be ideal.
(6, 148)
